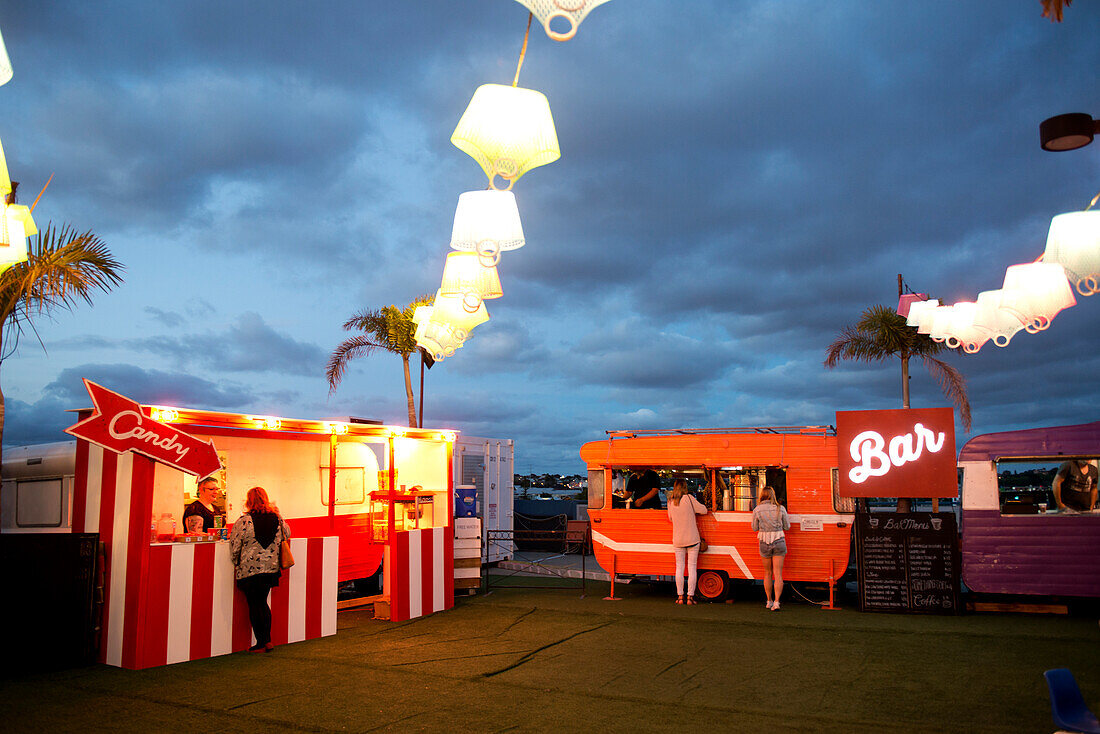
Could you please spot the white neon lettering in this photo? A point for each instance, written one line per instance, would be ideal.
(866, 448)
(147, 435)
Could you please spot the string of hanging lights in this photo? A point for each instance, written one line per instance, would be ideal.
(508, 131)
(1032, 293)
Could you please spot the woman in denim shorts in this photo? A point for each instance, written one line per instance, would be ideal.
(769, 520)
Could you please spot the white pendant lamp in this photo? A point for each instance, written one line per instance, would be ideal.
(6, 71)
(569, 11)
(487, 222)
(917, 308)
(940, 322)
(961, 331)
(1036, 292)
(997, 322)
(465, 276)
(508, 131)
(450, 310)
(1074, 242)
(925, 318)
(16, 224)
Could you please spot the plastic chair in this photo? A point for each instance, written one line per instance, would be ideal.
(1067, 706)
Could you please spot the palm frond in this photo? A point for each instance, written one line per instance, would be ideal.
(953, 385)
(347, 350)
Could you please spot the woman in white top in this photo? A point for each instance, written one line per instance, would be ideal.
(682, 509)
(769, 520)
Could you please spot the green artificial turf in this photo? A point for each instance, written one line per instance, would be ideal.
(521, 659)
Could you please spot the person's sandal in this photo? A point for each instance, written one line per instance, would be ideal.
(690, 600)
(680, 599)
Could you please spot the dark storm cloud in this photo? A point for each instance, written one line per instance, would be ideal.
(248, 345)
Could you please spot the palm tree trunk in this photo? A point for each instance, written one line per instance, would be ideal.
(905, 380)
(903, 502)
(409, 391)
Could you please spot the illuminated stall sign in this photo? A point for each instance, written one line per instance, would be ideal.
(897, 453)
(119, 424)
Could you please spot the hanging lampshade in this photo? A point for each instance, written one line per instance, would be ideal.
(961, 331)
(1036, 292)
(487, 222)
(906, 301)
(6, 71)
(1074, 242)
(996, 322)
(449, 310)
(465, 276)
(16, 224)
(438, 339)
(508, 131)
(940, 323)
(925, 318)
(572, 11)
(916, 309)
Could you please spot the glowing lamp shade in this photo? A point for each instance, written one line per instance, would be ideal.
(6, 71)
(992, 319)
(465, 276)
(508, 131)
(560, 12)
(487, 222)
(961, 331)
(916, 309)
(450, 310)
(1074, 242)
(906, 301)
(1035, 293)
(925, 318)
(438, 339)
(939, 325)
(16, 225)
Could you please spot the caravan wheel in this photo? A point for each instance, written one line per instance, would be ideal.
(712, 585)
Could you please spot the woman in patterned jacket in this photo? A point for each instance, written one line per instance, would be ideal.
(254, 547)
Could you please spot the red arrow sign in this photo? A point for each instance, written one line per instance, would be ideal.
(118, 424)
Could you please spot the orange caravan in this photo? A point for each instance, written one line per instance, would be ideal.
(725, 468)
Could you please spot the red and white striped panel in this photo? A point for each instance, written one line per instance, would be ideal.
(419, 573)
(174, 602)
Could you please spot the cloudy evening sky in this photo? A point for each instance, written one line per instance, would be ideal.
(739, 179)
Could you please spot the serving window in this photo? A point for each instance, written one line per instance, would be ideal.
(1025, 487)
(728, 488)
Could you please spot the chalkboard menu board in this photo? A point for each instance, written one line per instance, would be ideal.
(908, 562)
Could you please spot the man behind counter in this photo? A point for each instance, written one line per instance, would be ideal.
(202, 508)
(1075, 486)
(642, 490)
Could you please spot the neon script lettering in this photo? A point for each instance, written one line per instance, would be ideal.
(867, 449)
(147, 435)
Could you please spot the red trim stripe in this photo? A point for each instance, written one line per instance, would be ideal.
(315, 566)
(399, 586)
(428, 562)
(106, 536)
(448, 566)
(137, 561)
(154, 631)
(280, 610)
(242, 628)
(202, 601)
(80, 488)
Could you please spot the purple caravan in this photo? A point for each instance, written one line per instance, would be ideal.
(1028, 524)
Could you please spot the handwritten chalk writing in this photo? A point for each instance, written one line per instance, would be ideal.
(867, 449)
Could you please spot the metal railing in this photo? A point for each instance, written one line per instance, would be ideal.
(534, 561)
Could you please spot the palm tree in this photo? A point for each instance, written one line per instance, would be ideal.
(390, 329)
(881, 333)
(63, 267)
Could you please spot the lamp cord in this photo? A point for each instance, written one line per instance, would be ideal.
(1093, 202)
(523, 51)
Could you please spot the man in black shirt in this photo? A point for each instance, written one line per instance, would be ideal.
(202, 508)
(642, 489)
(1075, 486)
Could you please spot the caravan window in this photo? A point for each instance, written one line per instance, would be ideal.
(595, 489)
(1026, 487)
